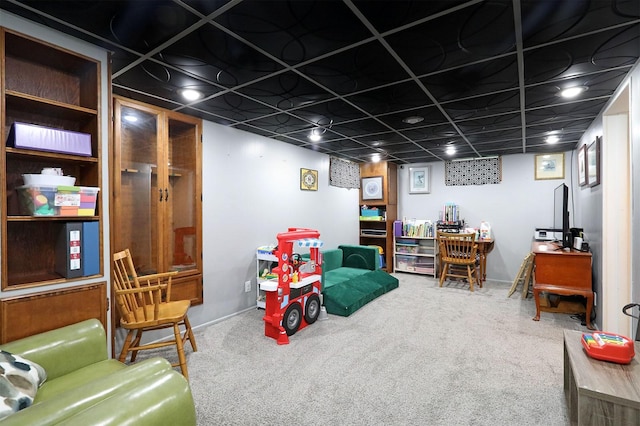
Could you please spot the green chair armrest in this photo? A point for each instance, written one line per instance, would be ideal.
(128, 381)
(165, 400)
(361, 257)
(65, 349)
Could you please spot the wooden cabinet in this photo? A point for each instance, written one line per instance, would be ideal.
(157, 193)
(380, 233)
(44, 85)
(43, 311)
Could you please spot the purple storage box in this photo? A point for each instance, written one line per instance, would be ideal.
(397, 228)
(40, 138)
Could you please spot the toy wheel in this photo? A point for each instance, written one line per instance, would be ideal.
(312, 309)
(292, 318)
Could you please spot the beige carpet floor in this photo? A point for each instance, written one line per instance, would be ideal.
(419, 355)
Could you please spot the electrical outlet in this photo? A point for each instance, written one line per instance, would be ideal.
(247, 286)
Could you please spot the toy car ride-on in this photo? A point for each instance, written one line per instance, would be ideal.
(293, 301)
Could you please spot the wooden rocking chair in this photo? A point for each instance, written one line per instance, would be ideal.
(144, 303)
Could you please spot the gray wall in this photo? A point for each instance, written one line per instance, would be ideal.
(590, 200)
(514, 207)
(251, 188)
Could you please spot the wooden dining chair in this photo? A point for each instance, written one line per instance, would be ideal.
(458, 257)
(144, 303)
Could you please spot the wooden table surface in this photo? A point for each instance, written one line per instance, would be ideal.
(600, 392)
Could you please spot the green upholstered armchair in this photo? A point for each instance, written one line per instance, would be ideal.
(84, 386)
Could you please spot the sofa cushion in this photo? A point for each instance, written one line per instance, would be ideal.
(19, 382)
(386, 281)
(363, 257)
(331, 259)
(344, 299)
(75, 379)
(347, 296)
(341, 274)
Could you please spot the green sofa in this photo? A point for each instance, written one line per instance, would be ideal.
(351, 278)
(85, 387)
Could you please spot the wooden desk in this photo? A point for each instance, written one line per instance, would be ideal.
(484, 247)
(567, 273)
(600, 392)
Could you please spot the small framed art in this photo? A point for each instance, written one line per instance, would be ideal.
(308, 180)
(372, 188)
(419, 180)
(582, 165)
(593, 162)
(549, 166)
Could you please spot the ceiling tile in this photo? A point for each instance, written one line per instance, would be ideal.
(295, 31)
(359, 68)
(352, 70)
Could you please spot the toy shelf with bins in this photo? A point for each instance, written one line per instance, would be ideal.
(265, 261)
(417, 255)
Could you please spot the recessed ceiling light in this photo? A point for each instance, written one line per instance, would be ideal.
(314, 136)
(450, 150)
(191, 95)
(413, 119)
(552, 139)
(375, 158)
(572, 92)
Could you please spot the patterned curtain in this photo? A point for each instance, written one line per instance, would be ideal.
(481, 171)
(343, 173)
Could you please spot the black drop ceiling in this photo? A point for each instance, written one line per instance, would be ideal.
(483, 75)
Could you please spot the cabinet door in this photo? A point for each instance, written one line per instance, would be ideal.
(138, 192)
(182, 194)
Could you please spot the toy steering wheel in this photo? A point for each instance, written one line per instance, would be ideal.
(296, 261)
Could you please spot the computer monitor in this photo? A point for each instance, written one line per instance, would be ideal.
(561, 214)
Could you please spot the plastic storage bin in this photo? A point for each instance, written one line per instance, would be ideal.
(406, 263)
(369, 212)
(57, 200)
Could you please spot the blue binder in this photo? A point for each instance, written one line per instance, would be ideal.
(90, 248)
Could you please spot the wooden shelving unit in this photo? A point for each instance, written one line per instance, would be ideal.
(48, 86)
(380, 233)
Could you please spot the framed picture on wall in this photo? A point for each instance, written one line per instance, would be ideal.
(593, 162)
(549, 166)
(419, 180)
(372, 188)
(308, 180)
(582, 165)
